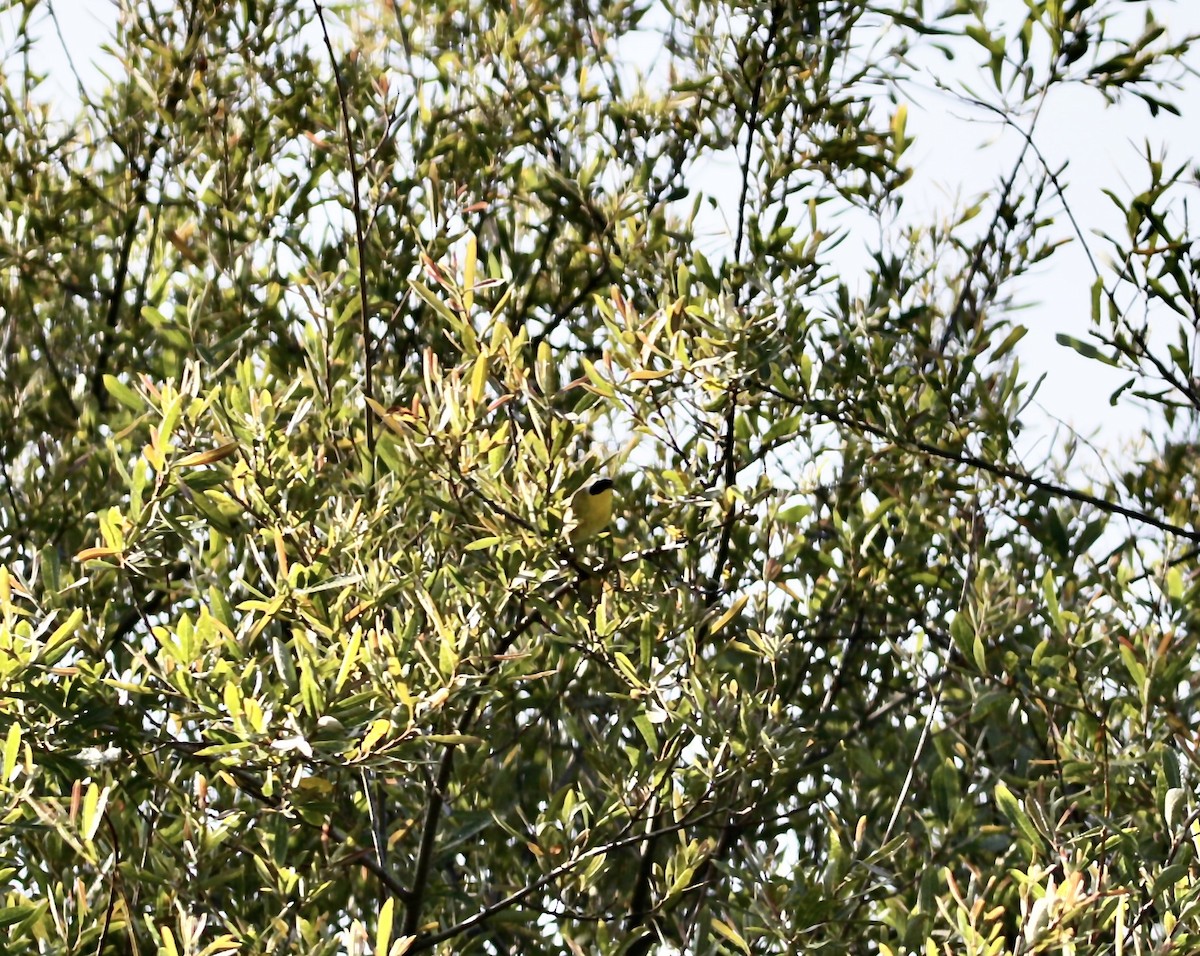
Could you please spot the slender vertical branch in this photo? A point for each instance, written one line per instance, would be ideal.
(441, 783)
(752, 119)
(142, 167)
(361, 245)
(731, 833)
(640, 908)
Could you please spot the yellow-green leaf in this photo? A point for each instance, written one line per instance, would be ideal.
(92, 554)
(899, 121)
(648, 375)
(479, 377)
(233, 699)
(349, 659)
(383, 931)
(12, 746)
(94, 802)
(197, 458)
(731, 934)
(1013, 337)
(454, 740)
(168, 948)
(729, 615)
(468, 279)
(123, 394)
(599, 384)
(375, 734)
(63, 632)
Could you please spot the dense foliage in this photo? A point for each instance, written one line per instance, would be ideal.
(313, 321)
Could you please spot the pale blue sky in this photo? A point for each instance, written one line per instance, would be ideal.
(1103, 147)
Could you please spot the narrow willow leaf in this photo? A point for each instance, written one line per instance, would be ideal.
(734, 610)
(383, 931)
(124, 394)
(198, 458)
(731, 934)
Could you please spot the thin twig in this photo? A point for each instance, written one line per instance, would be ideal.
(112, 884)
(375, 815)
(977, 259)
(992, 468)
(62, 41)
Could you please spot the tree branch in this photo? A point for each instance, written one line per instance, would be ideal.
(439, 785)
(1000, 471)
(639, 909)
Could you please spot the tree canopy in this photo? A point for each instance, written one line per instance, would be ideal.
(313, 319)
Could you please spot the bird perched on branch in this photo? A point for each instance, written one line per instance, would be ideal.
(590, 511)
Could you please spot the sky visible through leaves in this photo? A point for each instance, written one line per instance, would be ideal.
(961, 152)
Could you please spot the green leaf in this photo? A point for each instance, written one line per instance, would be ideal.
(60, 641)
(124, 394)
(1012, 809)
(1051, 597)
(9, 915)
(454, 740)
(646, 729)
(598, 382)
(1174, 807)
(731, 934)
(349, 660)
(447, 655)
(1086, 349)
(735, 609)
(1014, 336)
(1169, 876)
(979, 653)
(311, 692)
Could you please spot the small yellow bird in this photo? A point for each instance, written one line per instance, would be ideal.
(591, 510)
